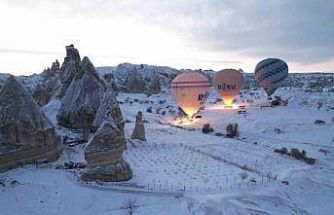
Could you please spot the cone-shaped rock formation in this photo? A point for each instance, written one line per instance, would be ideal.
(82, 98)
(104, 155)
(26, 135)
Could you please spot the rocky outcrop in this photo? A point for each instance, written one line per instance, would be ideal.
(154, 86)
(69, 68)
(109, 109)
(87, 66)
(110, 80)
(144, 74)
(139, 130)
(104, 155)
(50, 85)
(55, 66)
(82, 97)
(134, 83)
(26, 135)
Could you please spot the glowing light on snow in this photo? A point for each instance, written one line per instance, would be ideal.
(183, 121)
(225, 107)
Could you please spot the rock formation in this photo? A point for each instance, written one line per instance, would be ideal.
(154, 87)
(134, 83)
(110, 80)
(109, 109)
(139, 130)
(82, 97)
(55, 66)
(69, 68)
(104, 155)
(26, 135)
(49, 86)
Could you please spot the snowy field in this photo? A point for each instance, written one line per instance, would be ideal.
(184, 171)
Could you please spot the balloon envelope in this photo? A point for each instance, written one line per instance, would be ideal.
(270, 73)
(190, 90)
(228, 83)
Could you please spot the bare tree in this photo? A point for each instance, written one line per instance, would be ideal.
(130, 205)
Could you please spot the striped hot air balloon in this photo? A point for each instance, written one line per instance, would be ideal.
(228, 83)
(270, 73)
(190, 90)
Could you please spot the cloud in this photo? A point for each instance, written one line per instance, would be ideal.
(298, 31)
(25, 51)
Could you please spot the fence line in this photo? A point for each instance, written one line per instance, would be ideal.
(226, 187)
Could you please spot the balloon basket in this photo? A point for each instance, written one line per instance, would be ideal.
(229, 107)
(183, 121)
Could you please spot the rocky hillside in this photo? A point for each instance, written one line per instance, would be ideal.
(138, 78)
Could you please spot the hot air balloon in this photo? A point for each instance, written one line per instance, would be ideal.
(228, 83)
(270, 73)
(190, 90)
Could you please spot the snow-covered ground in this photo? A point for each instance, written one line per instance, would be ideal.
(180, 170)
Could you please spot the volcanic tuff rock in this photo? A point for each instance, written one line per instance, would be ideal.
(26, 135)
(134, 83)
(109, 109)
(69, 68)
(104, 155)
(139, 130)
(123, 72)
(154, 86)
(50, 85)
(80, 102)
(82, 97)
(110, 80)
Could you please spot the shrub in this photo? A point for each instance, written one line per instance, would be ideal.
(295, 153)
(149, 110)
(162, 102)
(275, 103)
(2, 182)
(243, 175)
(207, 128)
(319, 122)
(232, 130)
(218, 134)
(324, 151)
(283, 151)
(309, 160)
(285, 182)
(278, 130)
(303, 155)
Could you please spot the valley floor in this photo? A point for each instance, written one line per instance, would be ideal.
(180, 170)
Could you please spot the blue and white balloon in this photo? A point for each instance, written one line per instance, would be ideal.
(270, 73)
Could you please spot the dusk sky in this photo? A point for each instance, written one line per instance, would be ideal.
(212, 34)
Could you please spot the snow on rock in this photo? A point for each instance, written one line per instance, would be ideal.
(51, 110)
(126, 74)
(82, 98)
(154, 87)
(104, 155)
(23, 125)
(50, 86)
(109, 109)
(69, 68)
(134, 83)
